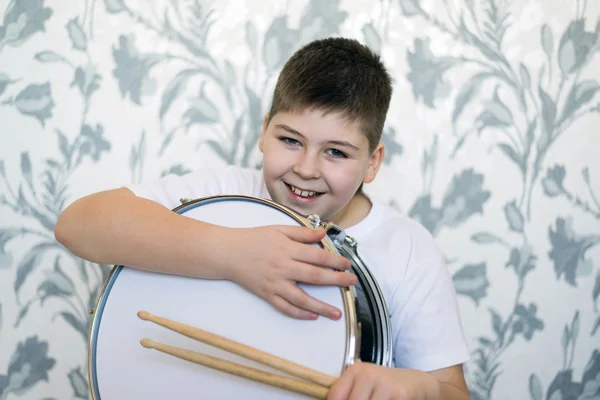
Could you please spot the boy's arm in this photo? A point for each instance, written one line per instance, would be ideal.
(453, 385)
(117, 227)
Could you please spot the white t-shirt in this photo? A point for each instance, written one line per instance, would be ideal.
(399, 252)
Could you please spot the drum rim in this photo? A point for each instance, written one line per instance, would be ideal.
(375, 294)
(93, 331)
(352, 351)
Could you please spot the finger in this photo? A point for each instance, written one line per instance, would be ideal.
(302, 234)
(382, 391)
(301, 299)
(321, 257)
(290, 310)
(312, 275)
(341, 387)
(362, 388)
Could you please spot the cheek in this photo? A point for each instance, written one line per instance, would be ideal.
(346, 178)
(275, 162)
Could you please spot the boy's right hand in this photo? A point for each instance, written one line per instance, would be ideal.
(269, 261)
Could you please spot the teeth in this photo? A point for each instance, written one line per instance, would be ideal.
(303, 193)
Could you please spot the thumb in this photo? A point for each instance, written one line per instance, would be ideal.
(303, 234)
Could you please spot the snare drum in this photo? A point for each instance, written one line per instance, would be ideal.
(121, 368)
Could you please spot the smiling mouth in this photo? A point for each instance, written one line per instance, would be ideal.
(303, 193)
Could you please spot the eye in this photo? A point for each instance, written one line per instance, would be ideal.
(337, 153)
(290, 141)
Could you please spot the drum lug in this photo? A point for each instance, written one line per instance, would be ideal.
(350, 241)
(91, 311)
(184, 200)
(338, 235)
(315, 221)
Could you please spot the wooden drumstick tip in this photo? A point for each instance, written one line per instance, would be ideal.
(148, 343)
(145, 315)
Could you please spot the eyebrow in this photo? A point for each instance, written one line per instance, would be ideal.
(342, 143)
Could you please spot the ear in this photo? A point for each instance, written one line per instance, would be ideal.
(374, 163)
(262, 132)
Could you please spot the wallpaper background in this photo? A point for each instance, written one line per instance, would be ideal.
(492, 140)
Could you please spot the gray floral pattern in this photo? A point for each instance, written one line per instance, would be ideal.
(497, 103)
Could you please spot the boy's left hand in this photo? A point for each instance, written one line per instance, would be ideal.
(366, 381)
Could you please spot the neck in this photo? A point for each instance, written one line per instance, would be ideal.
(355, 211)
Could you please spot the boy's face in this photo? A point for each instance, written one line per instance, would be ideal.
(314, 163)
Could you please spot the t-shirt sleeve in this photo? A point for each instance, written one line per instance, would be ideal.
(230, 180)
(427, 329)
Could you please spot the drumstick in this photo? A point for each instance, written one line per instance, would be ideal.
(254, 374)
(241, 349)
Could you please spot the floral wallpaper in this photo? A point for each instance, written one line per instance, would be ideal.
(492, 143)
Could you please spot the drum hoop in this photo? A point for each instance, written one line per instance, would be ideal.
(94, 326)
(352, 351)
(376, 296)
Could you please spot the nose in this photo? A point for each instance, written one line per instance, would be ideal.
(307, 167)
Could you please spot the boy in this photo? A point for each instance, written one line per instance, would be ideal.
(320, 142)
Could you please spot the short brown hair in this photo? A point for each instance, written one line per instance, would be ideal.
(339, 75)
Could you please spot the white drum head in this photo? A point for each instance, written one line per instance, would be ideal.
(122, 369)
